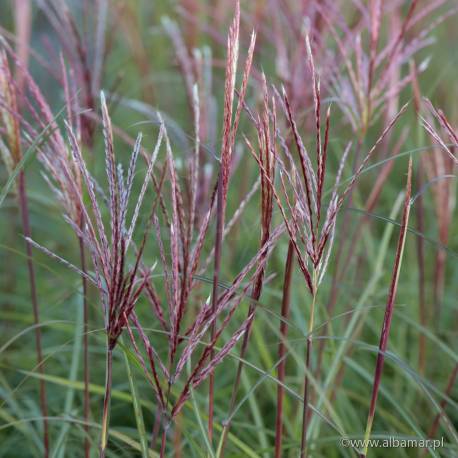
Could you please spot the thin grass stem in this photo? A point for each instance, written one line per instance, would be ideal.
(217, 266)
(86, 396)
(106, 400)
(308, 352)
(282, 349)
(24, 209)
(389, 311)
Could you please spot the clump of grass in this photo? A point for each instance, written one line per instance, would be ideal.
(300, 199)
(118, 284)
(180, 262)
(353, 56)
(120, 288)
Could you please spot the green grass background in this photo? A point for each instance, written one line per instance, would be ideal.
(408, 401)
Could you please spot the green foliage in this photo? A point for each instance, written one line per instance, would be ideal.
(142, 77)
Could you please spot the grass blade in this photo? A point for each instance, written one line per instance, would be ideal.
(135, 401)
(59, 450)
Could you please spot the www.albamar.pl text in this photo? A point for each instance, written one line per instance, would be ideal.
(392, 442)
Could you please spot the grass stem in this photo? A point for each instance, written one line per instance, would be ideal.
(217, 267)
(282, 349)
(24, 209)
(163, 442)
(106, 400)
(86, 397)
(389, 310)
(308, 352)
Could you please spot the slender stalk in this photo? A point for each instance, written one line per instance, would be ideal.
(389, 311)
(282, 349)
(335, 372)
(308, 352)
(217, 266)
(86, 401)
(164, 421)
(229, 132)
(106, 400)
(163, 442)
(24, 209)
